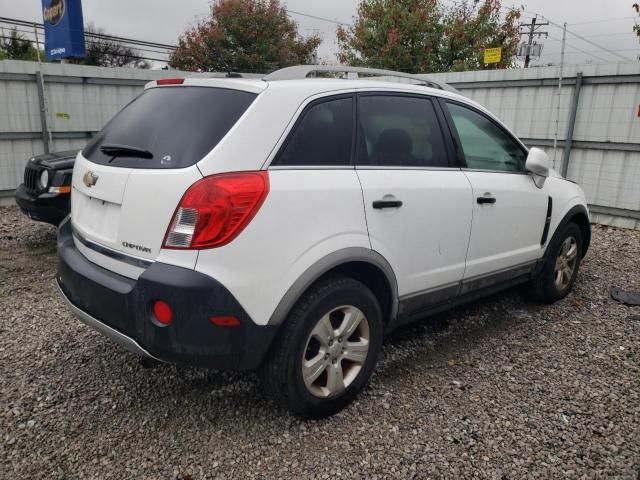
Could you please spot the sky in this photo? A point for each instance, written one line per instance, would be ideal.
(606, 23)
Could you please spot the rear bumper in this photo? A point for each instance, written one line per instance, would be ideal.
(120, 308)
(106, 330)
(47, 207)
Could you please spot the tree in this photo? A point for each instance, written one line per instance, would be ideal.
(471, 28)
(636, 27)
(253, 36)
(104, 52)
(16, 47)
(425, 36)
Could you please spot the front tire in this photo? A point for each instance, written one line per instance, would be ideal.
(560, 267)
(327, 349)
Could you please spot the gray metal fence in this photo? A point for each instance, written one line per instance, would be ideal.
(79, 101)
(596, 127)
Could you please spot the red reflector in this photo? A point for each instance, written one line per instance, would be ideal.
(170, 81)
(216, 209)
(227, 321)
(162, 311)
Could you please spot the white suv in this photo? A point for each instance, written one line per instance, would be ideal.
(286, 224)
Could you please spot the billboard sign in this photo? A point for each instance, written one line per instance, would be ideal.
(63, 29)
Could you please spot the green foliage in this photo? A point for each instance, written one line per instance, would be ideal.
(253, 36)
(16, 47)
(418, 36)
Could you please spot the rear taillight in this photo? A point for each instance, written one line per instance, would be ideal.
(170, 81)
(216, 209)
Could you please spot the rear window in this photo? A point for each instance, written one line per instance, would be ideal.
(178, 126)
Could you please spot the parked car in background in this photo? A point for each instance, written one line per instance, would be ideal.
(46, 192)
(287, 224)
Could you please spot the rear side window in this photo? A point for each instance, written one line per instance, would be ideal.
(486, 146)
(177, 125)
(322, 136)
(399, 131)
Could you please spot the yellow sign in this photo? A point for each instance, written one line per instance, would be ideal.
(492, 55)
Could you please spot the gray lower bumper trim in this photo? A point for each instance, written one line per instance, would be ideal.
(106, 330)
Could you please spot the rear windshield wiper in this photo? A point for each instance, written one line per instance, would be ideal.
(115, 150)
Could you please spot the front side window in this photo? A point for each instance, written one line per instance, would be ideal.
(322, 136)
(399, 131)
(486, 146)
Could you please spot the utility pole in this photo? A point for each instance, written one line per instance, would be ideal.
(533, 30)
(42, 93)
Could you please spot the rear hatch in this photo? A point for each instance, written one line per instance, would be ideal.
(128, 181)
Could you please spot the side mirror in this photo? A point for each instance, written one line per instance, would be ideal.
(538, 163)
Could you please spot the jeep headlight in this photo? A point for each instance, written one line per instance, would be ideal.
(44, 179)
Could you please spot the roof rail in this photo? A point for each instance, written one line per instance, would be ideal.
(255, 76)
(299, 72)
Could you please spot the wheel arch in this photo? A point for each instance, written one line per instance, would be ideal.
(579, 215)
(364, 265)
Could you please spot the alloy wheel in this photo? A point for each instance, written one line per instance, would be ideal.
(566, 263)
(336, 351)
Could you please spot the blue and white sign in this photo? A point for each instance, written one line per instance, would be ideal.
(63, 29)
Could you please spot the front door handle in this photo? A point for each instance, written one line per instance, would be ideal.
(486, 200)
(380, 204)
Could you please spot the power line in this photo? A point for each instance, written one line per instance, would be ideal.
(599, 46)
(619, 34)
(603, 21)
(315, 17)
(587, 40)
(125, 55)
(524, 15)
(89, 41)
(580, 50)
(92, 40)
(40, 26)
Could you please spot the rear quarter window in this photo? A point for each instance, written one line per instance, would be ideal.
(178, 125)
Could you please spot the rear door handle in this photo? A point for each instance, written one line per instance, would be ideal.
(380, 204)
(486, 200)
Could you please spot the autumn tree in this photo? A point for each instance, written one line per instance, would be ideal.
(428, 36)
(472, 27)
(253, 36)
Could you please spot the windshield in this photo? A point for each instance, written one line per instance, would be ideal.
(176, 126)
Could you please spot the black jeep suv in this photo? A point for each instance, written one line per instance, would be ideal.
(46, 192)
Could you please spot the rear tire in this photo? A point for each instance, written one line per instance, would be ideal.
(327, 349)
(560, 267)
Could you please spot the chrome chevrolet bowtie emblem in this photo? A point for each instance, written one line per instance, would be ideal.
(90, 179)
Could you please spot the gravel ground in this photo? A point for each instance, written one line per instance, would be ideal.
(503, 388)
